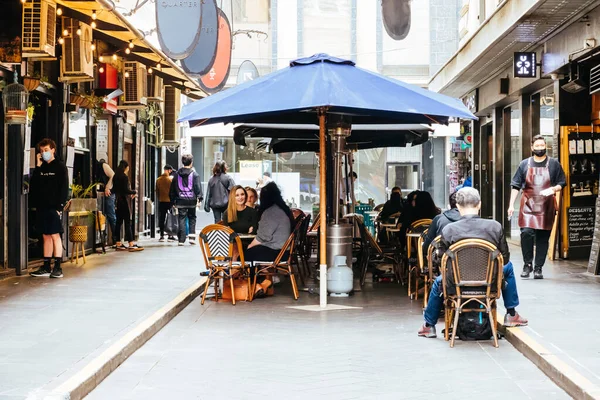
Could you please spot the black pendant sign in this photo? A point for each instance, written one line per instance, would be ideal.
(203, 55)
(396, 18)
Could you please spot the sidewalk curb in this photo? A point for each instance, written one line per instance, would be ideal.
(90, 376)
(567, 378)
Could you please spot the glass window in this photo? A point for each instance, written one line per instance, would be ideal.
(547, 115)
(516, 156)
(78, 128)
(253, 11)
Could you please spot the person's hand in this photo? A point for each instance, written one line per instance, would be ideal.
(547, 192)
(39, 160)
(133, 196)
(511, 211)
(107, 192)
(251, 229)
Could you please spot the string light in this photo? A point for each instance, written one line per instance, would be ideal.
(127, 51)
(101, 59)
(65, 33)
(115, 57)
(158, 66)
(61, 40)
(131, 44)
(150, 70)
(126, 74)
(101, 70)
(59, 11)
(78, 31)
(23, 1)
(94, 16)
(93, 24)
(93, 46)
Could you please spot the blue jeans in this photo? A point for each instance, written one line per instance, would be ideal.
(436, 300)
(109, 211)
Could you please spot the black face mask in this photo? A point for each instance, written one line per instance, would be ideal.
(539, 153)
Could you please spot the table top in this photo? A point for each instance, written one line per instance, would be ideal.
(414, 235)
(246, 236)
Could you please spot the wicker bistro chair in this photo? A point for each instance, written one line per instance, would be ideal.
(217, 243)
(417, 227)
(282, 265)
(433, 269)
(472, 277)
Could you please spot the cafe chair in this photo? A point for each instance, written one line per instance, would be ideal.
(472, 280)
(420, 272)
(301, 248)
(217, 243)
(282, 265)
(416, 229)
(433, 268)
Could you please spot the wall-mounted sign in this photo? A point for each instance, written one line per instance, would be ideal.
(178, 26)
(396, 17)
(525, 65)
(247, 72)
(216, 78)
(203, 56)
(471, 101)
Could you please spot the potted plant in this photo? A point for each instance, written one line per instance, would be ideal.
(31, 82)
(81, 208)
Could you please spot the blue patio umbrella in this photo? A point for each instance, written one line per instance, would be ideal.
(312, 88)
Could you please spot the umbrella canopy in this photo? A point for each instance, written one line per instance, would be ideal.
(305, 137)
(293, 95)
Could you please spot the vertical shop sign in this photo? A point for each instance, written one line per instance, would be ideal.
(178, 25)
(138, 176)
(102, 139)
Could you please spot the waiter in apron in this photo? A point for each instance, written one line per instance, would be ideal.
(540, 177)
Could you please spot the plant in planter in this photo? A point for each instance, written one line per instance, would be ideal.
(81, 208)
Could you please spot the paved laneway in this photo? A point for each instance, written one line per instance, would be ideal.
(50, 328)
(265, 350)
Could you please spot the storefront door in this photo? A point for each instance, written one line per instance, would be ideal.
(486, 163)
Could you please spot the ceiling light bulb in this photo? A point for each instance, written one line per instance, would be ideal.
(150, 70)
(79, 31)
(101, 70)
(127, 51)
(126, 74)
(59, 11)
(61, 40)
(93, 46)
(23, 1)
(101, 59)
(158, 66)
(65, 33)
(93, 25)
(131, 44)
(115, 57)
(94, 16)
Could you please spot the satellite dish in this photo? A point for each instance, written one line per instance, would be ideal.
(396, 18)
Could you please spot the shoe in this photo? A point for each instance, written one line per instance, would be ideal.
(427, 331)
(205, 273)
(161, 239)
(40, 272)
(180, 244)
(517, 320)
(193, 241)
(172, 239)
(537, 273)
(122, 247)
(136, 247)
(56, 273)
(526, 271)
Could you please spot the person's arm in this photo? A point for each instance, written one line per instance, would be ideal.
(64, 187)
(430, 234)
(173, 191)
(128, 188)
(198, 187)
(110, 173)
(253, 220)
(516, 183)
(157, 189)
(503, 247)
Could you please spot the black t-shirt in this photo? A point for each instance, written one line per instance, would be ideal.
(246, 218)
(557, 175)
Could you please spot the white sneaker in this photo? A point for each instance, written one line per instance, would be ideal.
(180, 244)
(161, 239)
(192, 241)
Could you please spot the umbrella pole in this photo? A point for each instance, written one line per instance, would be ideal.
(323, 213)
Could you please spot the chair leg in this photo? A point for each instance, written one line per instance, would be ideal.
(410, 283)
(206, 286)
(416, 283)
(250, 292)
(294, 286)
(456, 315)
(232, 290)
(494, 322)
(425, 291)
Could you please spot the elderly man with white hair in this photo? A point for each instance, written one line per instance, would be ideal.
(471, 226)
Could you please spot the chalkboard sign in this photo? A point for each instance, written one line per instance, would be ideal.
(581, 226)
(593, 265)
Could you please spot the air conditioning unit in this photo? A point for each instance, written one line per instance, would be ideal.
(39, 28)
(134, 84)
(170, 132)
(77, 61)
(155, 88)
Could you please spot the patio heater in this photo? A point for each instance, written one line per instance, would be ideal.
(339, 231)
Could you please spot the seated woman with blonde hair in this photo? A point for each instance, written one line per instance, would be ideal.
(238, 216)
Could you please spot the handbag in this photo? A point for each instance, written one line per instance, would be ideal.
(172, 223)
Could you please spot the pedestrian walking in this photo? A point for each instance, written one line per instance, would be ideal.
(186, 193)
(539, 177)
(218, 190)
(163, 187)
(49, 191)
(105, 176)
(124, 195)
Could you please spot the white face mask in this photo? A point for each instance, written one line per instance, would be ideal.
(46, 156)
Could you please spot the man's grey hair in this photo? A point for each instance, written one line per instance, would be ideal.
(468, 197)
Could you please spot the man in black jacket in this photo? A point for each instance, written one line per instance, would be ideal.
(49, 193)
(470, 226)
(185, 193)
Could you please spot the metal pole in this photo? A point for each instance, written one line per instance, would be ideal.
(323, 213)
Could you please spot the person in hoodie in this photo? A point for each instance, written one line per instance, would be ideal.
(440, 221)
(185, 194)
(218, 189)
(49, 192)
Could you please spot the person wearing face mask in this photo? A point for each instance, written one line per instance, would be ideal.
(539, 177)
(49, 193)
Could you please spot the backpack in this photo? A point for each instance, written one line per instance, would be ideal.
(101, 177)
(186, 192)
(473, 325)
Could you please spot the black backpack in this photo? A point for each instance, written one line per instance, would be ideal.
(473, 325)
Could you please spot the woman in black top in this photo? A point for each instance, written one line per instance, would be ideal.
(123, 193)
(238, 216)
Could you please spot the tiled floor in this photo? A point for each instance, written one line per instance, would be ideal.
(264, 350)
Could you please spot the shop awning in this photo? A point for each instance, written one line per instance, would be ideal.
(115, 29)
(516, 25)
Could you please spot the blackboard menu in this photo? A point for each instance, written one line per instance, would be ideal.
(593, 266)
(581, 226)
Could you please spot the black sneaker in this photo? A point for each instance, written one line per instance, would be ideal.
(526, 271)
(122, 247)
(56, 273)
(136, 247)
(172, 239)
(161, 239)
(40, 272)
(537, 273)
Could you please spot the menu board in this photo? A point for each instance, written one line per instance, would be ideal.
(593, 266)
(580, 226)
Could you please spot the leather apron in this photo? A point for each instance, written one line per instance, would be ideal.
(537, 211)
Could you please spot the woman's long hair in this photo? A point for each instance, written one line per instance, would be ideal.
(425, 206)
(219, 168)
(232, 206)
(270, 195)
(122, 167)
